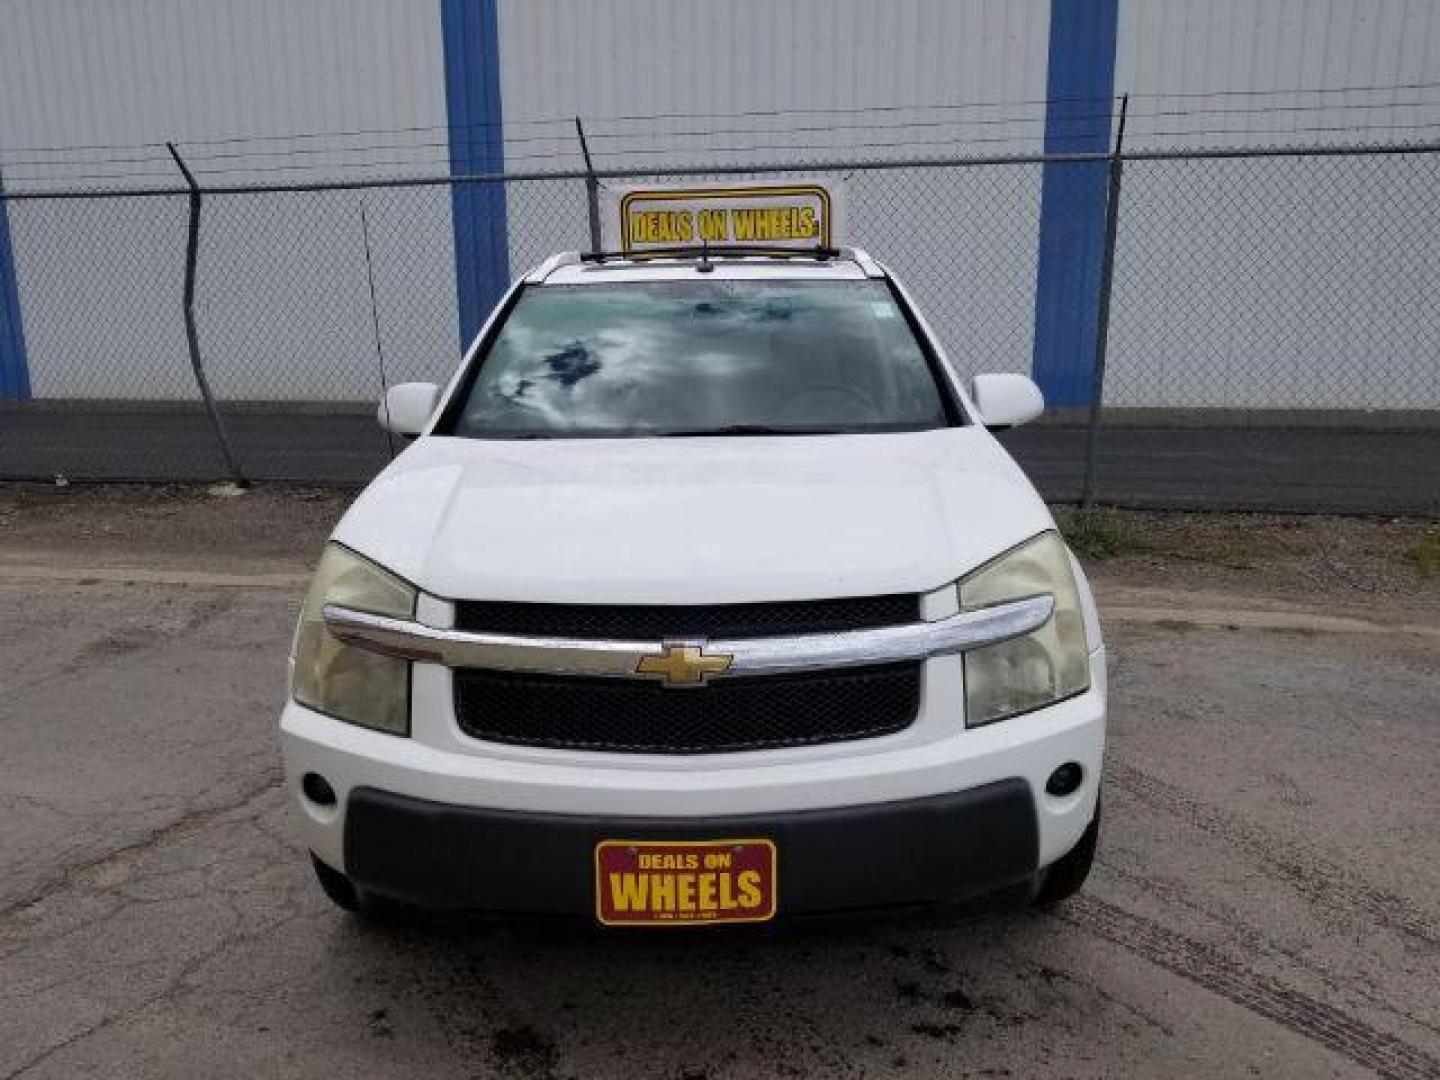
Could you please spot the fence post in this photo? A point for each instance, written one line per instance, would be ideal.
(1102, 318)
(592, 189)
(192, 337)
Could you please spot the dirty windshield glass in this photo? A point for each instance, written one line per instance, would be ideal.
(703, 357)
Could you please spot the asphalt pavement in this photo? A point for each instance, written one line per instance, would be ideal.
(1266, 903)
(1239, 468)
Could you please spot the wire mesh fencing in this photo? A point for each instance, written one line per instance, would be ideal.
(1272, 340)
(1275, 335)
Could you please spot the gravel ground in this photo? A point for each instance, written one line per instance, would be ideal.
(1321, 561)
(1267, 900)
(183, 524)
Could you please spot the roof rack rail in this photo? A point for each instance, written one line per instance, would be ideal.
(706, 251)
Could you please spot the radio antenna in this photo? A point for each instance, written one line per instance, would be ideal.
(375, 326)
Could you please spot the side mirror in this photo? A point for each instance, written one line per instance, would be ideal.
(1006, 401)
(407, 407)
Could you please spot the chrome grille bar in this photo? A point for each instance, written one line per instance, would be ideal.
(776, 655)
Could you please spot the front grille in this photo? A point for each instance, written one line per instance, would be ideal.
(656, 622)
(727, 715)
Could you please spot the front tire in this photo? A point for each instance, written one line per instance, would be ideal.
(1067, 875)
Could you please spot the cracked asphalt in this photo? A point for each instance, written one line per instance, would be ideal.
(1267, 899)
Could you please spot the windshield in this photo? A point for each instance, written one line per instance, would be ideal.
(702, 357)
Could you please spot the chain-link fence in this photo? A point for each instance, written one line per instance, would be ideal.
(1272, 339)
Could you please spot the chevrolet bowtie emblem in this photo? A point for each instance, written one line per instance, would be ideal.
(683, 665)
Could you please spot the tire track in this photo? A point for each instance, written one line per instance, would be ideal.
(1250, 939)
(1293, 1010)
(1318, 879)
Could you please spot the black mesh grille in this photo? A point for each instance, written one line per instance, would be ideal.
(657, 622)
(727, 715)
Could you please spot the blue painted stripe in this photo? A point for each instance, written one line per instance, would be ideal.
(470, 30)
(1079, 87)
(14, 369)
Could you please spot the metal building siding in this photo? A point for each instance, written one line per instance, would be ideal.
(1277, 283)
(83, 72)
(702, 82)
(700, 61)
(618, 56)
(1201, 291)
(1214, 56)
(135, 74)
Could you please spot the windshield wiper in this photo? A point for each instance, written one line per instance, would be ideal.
(747, 429)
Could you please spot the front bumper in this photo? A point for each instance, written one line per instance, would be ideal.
(921, 851)
(456, 779)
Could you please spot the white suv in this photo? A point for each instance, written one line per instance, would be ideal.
(703, 594)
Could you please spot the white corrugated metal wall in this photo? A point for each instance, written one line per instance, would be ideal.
(1283, 70)
(1283, 283)
(702, 83)
(694, 60)
(358, 87)
(100, 282)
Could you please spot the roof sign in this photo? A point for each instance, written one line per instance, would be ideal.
(793, 214)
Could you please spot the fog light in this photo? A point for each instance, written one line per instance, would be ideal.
(317, 789)
(1065, 779)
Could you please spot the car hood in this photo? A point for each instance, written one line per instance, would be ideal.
(693, 520)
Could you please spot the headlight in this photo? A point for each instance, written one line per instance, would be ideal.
(347, 683)
(1041, 667)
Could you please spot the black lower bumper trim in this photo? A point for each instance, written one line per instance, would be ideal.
(938, 849)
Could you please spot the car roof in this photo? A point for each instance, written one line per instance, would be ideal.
(570, 268)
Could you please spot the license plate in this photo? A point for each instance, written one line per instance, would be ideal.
(684, 883)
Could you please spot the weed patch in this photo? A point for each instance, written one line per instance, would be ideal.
(1100, 534)
(1425, 554)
